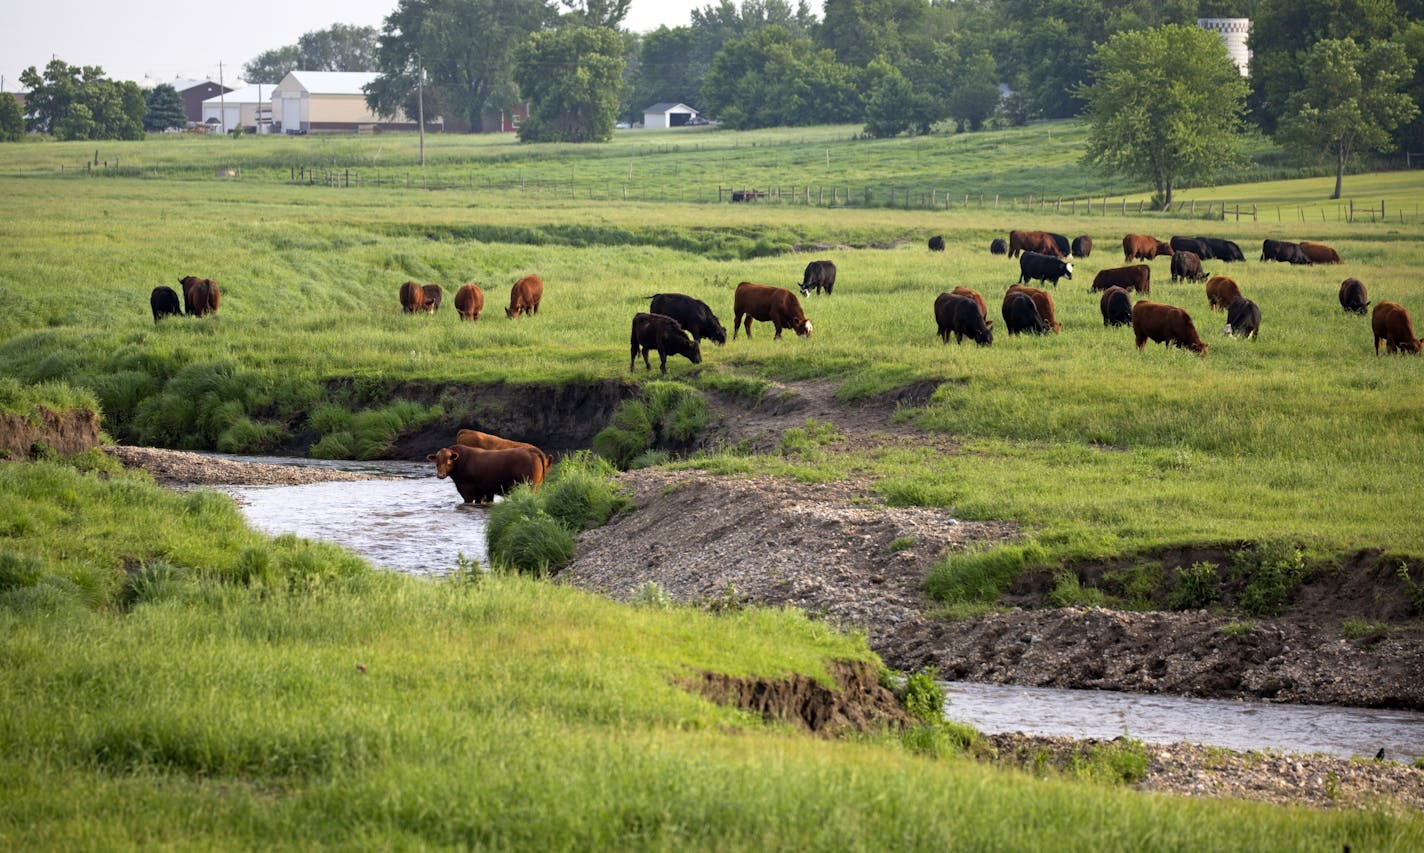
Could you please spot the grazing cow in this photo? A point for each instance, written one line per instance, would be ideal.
(164, 302)
(1021, 315)
(979, 300)
(525, 296)
(997, 246)
(775, 305)
(489, 441)
(1116, 306)
(1033, 241)
(1189, 244)
(434, 295)
(1137, 277)
(1221, 292)
(960, 316)
(694, 315)
(1082, 246)
(469, 302)
(818, 274)
(200, 295)
(1283, 251)
(937, 243)
(1319, 253)
(1243, 318)
(412, 297)
(1035, 266)
(664, 334)
(1143, 247)
(1392, 325)
(1043, 301)
(479, 475)
(1060, 242)
(1220, 250)
(1186, 266)
(1352, 296)
(1165, 324)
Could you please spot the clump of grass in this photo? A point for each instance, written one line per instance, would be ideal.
(534, 532)
(670, 416)
(651, 594)
(1238, 629)
(805, 440)
(1363, 630)
(1068, 591)
(902, 543)
(1413, 589)
(1196, 587)
(922, 696)
(980, 577)
(1121, 761)
(1270, 573)
(940, 739)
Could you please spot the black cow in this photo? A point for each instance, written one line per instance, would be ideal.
(1186, 266)
(819, 274)
(655, 331)
(164, 302)
(1021, 315)
(960, 316)
(1352, 296)
(1283, 251)
(1221, 250)
(1243, 318)
(998, 246)
(937, 243)
(1064, 247)
(694, 315)
(1082, 246)
(1033, 265)
(1190, 244)
(1116, 307)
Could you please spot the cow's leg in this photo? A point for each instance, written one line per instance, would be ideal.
(662, 361)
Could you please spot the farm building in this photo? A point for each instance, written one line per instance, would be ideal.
(193, 93)
(1236, 32)
(668, 114)
(242, 108)
(316, 101)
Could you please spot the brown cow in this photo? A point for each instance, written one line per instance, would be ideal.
(434, 295)
(1033, 241)
(1137, 277)
(1141, 246)
(200, 295)
(469, 302)
(1319, 253)
(775, 305)
(1186, 266)
(524, 296)
(482, 474)
(664, 334)
(1165, 324)
(412, 297)
(1221, 292)
(489, 441)
(1392, 325)
(973, 294)
(1043, 301)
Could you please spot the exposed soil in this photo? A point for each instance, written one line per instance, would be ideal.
(67, 433)
(180, 468)
(857, 703)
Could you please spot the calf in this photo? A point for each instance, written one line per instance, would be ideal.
(694, 315)
(1165, 324)
(1035, 266)
(479, 475)
(1143, 247)
(1186, 266)
(662, 333)
(1392, 324)
(163, 301)
(1243, 318)
(997, 246)
(525, 296)
(1043, 301)
(1352, 296)
(1319, 253)
(434, 295)
(1221, 292)
(469, 302)
(937, 243)
(818, 275)
(1116, 306)
(1137, 277)
(1021, 315)
(775, 305)
(1082, 246)
(412, 297)
(960, 316)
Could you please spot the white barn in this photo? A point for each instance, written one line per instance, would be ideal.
(668, 114)
(314, 101)
(243, 108)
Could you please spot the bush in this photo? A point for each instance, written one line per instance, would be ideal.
(1271, 573)
(1196, 587)
(981, 576)
(922, 697)
(580, 494)
(670, 416)
(535, 532)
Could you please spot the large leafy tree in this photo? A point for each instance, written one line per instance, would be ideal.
(270, 66)
(860, 31)
(12, 120)
(466, 48)
(71, 102)
(596, 13)
(1165, 106)
(716, 26)
(772, 78)
(165, 108)
(663, 71)
(1350, 100)
(572, 78)
(340, 47)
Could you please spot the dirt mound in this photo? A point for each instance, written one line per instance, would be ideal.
(858, 703)
(67, 432)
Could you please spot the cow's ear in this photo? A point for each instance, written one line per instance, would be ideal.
(988, 324)
(430, 457)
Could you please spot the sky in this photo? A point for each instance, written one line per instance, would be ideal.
(168, 40)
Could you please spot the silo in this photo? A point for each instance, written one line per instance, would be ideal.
(1233, 31)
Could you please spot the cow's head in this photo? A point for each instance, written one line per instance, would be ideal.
(1198, 347)
(1068, 270)
(1164, 248)
(803, 328)
(444, 459)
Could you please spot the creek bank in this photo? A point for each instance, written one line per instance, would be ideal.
(64, 432)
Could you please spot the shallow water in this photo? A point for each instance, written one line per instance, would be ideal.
(1334, 730)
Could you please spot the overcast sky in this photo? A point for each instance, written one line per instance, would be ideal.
(173, 39)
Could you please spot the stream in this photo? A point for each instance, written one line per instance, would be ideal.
(416, 523)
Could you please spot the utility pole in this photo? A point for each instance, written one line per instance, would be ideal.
(222, 98)
(420, 105)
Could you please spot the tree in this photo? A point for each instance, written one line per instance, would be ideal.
(165, 108)
(81, 103)
(663, 71)
(975, 94)
(597, 13)
(571, 77)
(270, 66)
(715, 27)
(1165, 106)
(466, 48)
(892, 106)
(12, 120)
(1350, 100)
(341, 47)
(771, 79)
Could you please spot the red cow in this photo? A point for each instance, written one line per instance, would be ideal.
(524, 296)
(412, 297)
(972, 294)
(1319, 253)
(434, 295)
(1033, 241)
(1221, 292)
(1165, 324)
(1141, 246)
(479, 475)
(1043, 301)
(1392, 325)
(1137, 277)
(489, 441)
(775, 305)
(469, 302)
(200, 295)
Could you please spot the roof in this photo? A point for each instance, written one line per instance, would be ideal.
(331, 82)
(185, 85)
(249, 95)
(669, 107)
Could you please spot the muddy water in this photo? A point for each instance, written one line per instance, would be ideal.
(411, 523)
(1343, 732)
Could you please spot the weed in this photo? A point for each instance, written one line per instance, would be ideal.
(1068, 591)
(902, 543)
(467, 570)
(1413, 589)
(940, 739)
(1139, 586)
(1364, 630)
(1195, 588)
(650, 594)
(982, 576)
(1121, 761)
(1238, 629)
(922, 695)
(1271, 572)
(726, 601)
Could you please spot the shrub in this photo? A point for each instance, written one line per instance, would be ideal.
(580, 492)
(922, 696)
(1139, 586)
(1271, 572)
(671, 416)
(1196, 587)
(1068, 591)
(981, 576)
(1413, 589)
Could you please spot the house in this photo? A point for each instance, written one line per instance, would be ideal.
(193, 93)
(249, 108)
(669, 114)
(316, 101)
